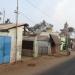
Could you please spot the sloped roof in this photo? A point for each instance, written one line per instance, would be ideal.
(55, 38)
(39, 38)
(43, 38)
(9, 26)
(29, 38)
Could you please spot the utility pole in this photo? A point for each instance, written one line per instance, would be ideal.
(3, 16)
(17, 8)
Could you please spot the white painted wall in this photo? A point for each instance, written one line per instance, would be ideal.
(19, 42)
(15, 55)
(35, 48)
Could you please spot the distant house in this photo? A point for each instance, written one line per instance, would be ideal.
(35, 46)
(55, 44)
(38, 45)
(8, 51)
(38, 42)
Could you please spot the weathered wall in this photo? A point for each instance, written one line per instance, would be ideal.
(19, 42)
(15, 55)
(35, 48)
(44, 47)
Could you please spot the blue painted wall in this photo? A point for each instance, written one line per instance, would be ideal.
(5, 47)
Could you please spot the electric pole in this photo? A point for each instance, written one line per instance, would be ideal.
(3, 16)
(17, 8)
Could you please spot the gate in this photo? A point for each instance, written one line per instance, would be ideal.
(5, 47)
(43, 47)
(43, 50)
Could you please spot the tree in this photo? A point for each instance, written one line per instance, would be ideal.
(71, 29)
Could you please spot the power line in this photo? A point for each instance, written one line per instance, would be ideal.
(37, 8)
(28, 17)
(17, 10)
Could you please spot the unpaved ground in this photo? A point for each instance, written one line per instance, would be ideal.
(32, 66)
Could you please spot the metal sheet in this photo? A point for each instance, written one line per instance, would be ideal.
(1, 50)
(5, 47)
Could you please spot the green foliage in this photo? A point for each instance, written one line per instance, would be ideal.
(71, 29)
(66, 44)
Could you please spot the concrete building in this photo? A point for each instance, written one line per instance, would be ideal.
(39, 45)
(36, 46)
(10, 55)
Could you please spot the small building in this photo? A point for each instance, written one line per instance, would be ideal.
(55, 44)
(36, 41)
(35, 46)
(9, 52)
(39, 45)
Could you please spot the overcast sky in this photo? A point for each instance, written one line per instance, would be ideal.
(56, 12)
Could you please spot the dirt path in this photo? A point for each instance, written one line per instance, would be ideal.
(33, 66)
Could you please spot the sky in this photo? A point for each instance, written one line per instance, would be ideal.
(55, 12)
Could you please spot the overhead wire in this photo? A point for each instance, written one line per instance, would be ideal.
(44, 13)
(37, 9)
(28, 18)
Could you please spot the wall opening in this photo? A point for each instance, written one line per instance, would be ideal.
(27, 48)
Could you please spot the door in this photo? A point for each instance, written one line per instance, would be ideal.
(43, 50)
(43, 47)
(5, 47)
(1, 50)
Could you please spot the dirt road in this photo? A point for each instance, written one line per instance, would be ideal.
(33, 66)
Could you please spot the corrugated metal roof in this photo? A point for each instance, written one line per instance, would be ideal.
(39, 38)
(43, 38)
(9, 26)
(28, 38)
(55, 39)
